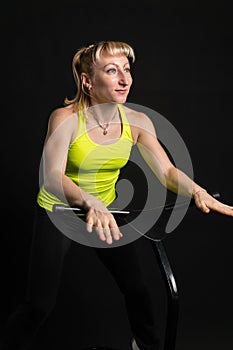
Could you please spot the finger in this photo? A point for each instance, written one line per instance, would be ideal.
(107, 234)
(202, 206)
(227, 211)
(116, 234)
(100, 231)
(223, 209)
(89, 225)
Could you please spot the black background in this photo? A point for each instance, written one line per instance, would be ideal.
(183, 71)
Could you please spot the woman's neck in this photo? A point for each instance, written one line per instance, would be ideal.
(103, 113)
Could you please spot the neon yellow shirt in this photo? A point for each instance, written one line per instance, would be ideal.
(94, 167)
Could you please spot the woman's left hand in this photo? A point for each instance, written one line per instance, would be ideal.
(205, 202)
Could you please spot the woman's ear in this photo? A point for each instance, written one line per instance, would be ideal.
(86, 81)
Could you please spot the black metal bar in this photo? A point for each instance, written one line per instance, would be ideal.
(167, 207)
(171, 287)
(172, 296)
(60, 208)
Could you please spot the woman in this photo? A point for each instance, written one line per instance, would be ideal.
(103, 76)
(88, 141)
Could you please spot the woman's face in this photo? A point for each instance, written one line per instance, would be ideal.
(111, 80)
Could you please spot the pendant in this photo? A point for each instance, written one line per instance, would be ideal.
(105, 128)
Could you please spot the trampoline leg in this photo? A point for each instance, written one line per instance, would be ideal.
(172, 296)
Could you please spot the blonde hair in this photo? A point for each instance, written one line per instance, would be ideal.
(84, 60)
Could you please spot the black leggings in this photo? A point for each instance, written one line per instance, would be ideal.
(130, 266)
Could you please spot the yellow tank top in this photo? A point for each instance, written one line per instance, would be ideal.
(94, 167)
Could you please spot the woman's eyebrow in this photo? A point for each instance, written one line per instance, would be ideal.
(115, 64)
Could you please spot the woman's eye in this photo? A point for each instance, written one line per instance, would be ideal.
(115, 71)
(111, 70)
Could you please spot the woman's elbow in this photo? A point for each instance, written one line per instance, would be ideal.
(52, 180)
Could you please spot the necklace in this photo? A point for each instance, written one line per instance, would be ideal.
(105, 126)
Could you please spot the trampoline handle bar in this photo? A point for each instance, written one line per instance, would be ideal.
(60, 208)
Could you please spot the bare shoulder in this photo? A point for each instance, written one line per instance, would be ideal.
(61, 115)
(139, 120)
(62, 123)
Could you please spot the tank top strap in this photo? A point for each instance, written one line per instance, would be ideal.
(81, 123)
(126, 133)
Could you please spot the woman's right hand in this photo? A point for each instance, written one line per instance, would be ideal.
(99, 217)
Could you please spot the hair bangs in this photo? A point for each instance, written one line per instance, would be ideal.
(114, 48)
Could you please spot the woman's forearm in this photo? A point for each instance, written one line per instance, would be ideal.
(64, 188)
(68, 192)
(177, 181)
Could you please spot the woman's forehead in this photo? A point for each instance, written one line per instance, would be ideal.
(105, 58)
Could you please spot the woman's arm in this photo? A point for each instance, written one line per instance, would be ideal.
(171, 177)
(62, 129)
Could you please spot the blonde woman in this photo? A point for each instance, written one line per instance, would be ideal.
(88, 141)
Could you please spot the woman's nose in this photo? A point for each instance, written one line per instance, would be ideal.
(124, 78)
